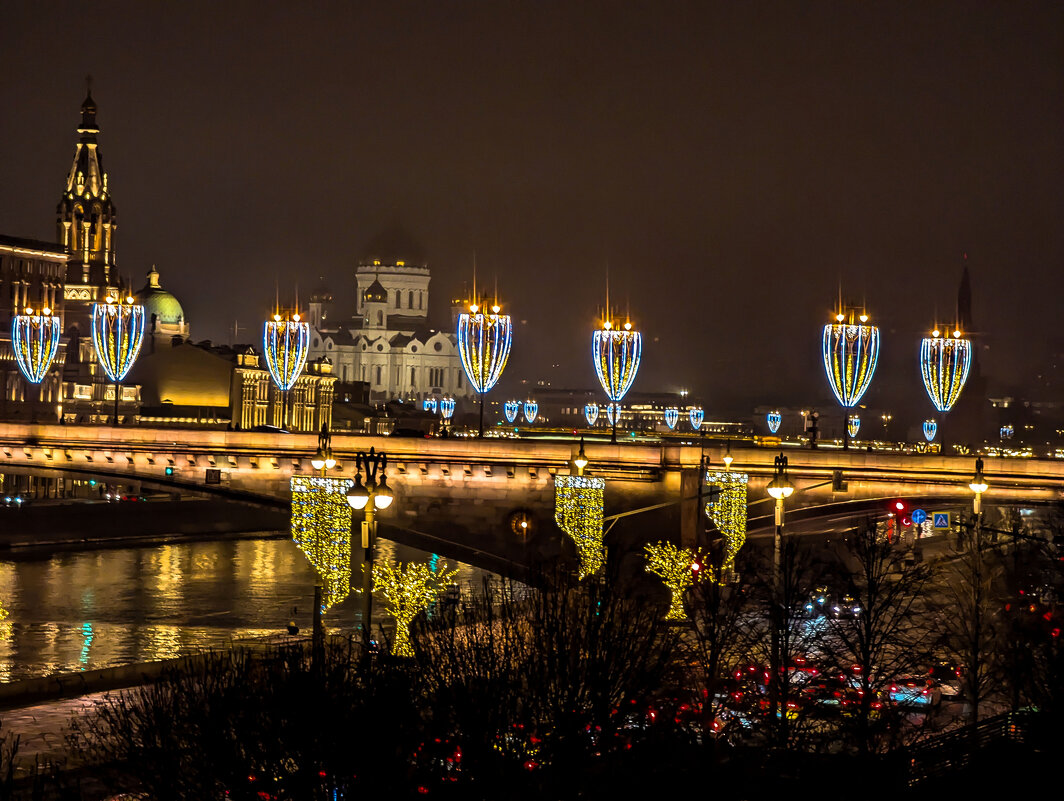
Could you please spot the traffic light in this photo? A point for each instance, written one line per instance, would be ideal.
(169, 470)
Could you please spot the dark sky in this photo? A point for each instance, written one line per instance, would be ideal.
(731, 162)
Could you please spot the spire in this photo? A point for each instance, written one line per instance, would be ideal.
(88, 129)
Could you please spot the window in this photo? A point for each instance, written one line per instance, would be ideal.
(420, 299)
(398, 300)
(380, 318)
(378, 374)
(410, 300)
(413, 373)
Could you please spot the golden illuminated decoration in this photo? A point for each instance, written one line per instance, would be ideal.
(321, 527)
(944, 364)
(578, 508)
(5, 624)
(409, 590)
(851, 351)
(728, 511)
(117, 331)
(285, 340)
(679, 568)
(35, 340)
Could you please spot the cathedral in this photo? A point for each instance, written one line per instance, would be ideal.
(173, 382)
(389, 343)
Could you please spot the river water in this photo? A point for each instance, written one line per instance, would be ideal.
(83, 610)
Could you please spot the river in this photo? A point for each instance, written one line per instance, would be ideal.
(83, 610)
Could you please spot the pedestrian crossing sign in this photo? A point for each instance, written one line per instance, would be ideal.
(941, 519)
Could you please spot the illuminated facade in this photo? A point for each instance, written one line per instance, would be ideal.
(944, 365)
(389, 343)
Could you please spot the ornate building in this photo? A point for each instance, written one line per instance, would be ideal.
(164, 317)
(31, 275)
(389, 343)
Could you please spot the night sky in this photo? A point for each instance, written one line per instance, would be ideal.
(730, 162)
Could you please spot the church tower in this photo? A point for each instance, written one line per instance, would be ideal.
(86, 215)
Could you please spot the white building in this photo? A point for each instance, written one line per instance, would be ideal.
(389, 343)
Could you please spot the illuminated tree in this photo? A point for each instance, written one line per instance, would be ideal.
(321, 528)
(944, 365)
(679, 568)
(409, 590)
(728, 512)
(578, 510)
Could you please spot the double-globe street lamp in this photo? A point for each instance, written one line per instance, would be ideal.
(369, 496)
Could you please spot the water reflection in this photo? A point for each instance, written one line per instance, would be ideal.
(96, 609)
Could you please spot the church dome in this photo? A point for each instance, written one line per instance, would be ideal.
(375, 293)
(157, 301)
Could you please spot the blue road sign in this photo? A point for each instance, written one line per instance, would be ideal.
(919, 516)
(941, 519)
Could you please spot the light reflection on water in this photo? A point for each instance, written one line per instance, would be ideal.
(94, 609)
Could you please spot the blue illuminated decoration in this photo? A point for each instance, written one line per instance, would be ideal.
(944, 365)
(447, 408)
(672, 416)
(1007, 431)
(591, 413)
(696, 414)
(616, 355)
(930, 429)
(613, 413)
(117, 332)
(429, 405)
(285, 342)
(851, 352)
(484, 345)
(35, 339)
(774, 420)
(853, 425)
(531, 409)
(510, 409)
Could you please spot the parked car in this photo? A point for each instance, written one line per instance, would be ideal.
(915, 691)
(948, 678)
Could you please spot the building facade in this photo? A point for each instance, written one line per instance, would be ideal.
(389, 343)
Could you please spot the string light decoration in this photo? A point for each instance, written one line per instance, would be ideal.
(510, 409)
(672, 416)
(484, 346)
(774, 420)
(579, 503)
(697, 415)
(944, 365)
(531, 410)
(1007, 431)
(35, 339)
(321, 528)
(616, 352)
(930, 429)
(851, 351)
(728, 511)
(117, 333)
(679, 568)
(408, 591)
(591, 413)
(447, 408)
(853, 425)
(285, 341)
(613, 413)
(429, 405)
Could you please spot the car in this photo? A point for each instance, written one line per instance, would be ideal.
(915, 691)
(948, 678)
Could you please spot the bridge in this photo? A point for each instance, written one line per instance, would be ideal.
(470, 491)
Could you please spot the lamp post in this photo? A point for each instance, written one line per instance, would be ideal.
(580, 460)
(370, 496)
(322, 461)
(780, 488)
(978, 485)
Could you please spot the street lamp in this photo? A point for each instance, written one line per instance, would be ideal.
(323, 459)
(370, 496)
(978, 485)
(728, 458)
(580, 460)
(780, 488)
